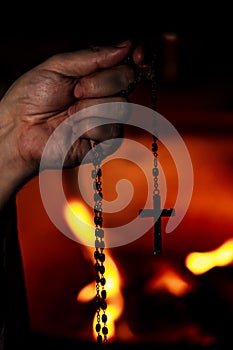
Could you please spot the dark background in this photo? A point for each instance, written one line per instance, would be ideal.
(203, 88)
(30, 33)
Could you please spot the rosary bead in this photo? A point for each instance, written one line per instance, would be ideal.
(102, 281)
(97, 279)
(102, 269)
(154, 147)
(155, 171)
(96, 255)
(103, 305)
(98, 302)
(97, 327)
(97, 266)
(124, 93)
(104, 318)
(97, 209)
(105, 330)
(154, 96)
(101, 257)
(93, 174)
(98, 196)
(102, 245)
(99, 232)
(103, 294)
(99, 338)
(98, 220)
(99, 172)
(97, 243)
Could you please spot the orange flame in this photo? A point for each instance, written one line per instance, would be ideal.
(79, 221)
(170, 280)
(199, 263)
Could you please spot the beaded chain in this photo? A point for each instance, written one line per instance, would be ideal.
(144, 72)
(99, 256)
(154, 147)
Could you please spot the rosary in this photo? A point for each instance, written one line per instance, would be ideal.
(146, 72)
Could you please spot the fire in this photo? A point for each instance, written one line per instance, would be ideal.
(169, 279)
(79, 220)
(199, 263)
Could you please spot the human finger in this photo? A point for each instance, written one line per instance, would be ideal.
(87, 61)
(105, 83)
(114, 108)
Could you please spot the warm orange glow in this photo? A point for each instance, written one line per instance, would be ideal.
(200, 263)
(171, 281)
(79, 221)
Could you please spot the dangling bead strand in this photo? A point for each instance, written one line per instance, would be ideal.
(99, 256)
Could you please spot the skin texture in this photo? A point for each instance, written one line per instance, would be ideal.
(47, 95)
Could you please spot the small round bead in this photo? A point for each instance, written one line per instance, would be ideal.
(97, 243)
(97, 278)
(98, 302)
(99, 172)
(103, 294)
(101, 269)
(101, 257)
(103, 305)
(97, 208)
(102, 244)
(154, 147)
(104, 318)
(96, 254)
(97, 266)
(97, 327)
(105, 330)
(98, 220)
(97, 197)
(155, 171)
(102, 281)
(93, 174)
(99, 232)
(99, 339)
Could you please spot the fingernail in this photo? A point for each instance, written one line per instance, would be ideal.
(122, 44)
(71, 110)
(78, 92)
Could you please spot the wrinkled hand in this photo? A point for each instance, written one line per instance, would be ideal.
(47, 95)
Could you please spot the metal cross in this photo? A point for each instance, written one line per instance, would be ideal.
(157, 213)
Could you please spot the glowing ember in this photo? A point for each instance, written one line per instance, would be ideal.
(79, 220)
(199, 263)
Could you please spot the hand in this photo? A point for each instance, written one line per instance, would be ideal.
(47, 95)
(66, 83)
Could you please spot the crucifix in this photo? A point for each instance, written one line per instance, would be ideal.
(157, 213)
(146, 72)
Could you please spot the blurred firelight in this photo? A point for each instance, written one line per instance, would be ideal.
(169, 280)
(199, 263)
(79, 220)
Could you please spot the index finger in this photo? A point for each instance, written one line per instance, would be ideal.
(87, 61)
